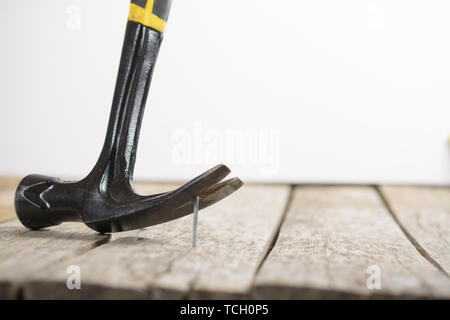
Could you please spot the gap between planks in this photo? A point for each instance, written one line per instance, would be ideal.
(330, 237)
(277, 233)
(423, 214)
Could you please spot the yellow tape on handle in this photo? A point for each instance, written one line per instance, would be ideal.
(150, 13)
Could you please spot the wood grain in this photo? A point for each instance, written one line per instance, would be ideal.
(159, 262)
(25, 254)
(330, 237)
(424, 213)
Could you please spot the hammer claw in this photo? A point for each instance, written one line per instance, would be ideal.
(149, 211)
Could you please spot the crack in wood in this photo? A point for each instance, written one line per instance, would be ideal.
(280, 224)
(408, 235)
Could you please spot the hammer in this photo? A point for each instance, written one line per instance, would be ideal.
(105, 200)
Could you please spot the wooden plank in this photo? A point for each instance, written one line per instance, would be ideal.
(25, 253)
(424, 213)
(330, 239)
(7, 189)
(159, 262)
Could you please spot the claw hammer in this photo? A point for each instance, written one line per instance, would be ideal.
(105, 199)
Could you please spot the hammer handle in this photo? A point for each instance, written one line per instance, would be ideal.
(150, 13)
(143, 37)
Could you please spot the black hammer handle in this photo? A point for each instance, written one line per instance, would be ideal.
(42, 201)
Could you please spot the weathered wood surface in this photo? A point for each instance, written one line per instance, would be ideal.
(7, 190)
(25, 254)
(330, 237)
(159, 262)
(424, 213)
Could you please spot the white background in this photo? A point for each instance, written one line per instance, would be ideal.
(323, 91)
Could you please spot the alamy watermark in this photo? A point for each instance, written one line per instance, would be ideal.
(74, 278)
(258, 148)
(374, 279)
(73, 17)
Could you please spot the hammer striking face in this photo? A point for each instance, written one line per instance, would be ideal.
(105, 200)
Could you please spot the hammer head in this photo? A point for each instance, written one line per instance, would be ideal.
(43, 201)
(32, 205)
